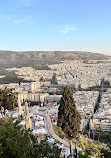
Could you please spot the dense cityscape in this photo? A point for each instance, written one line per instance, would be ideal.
(91, 86)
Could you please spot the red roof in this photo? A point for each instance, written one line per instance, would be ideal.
(53, 117)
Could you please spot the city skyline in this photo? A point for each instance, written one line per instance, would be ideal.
(32, 25)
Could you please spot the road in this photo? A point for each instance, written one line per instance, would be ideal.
(50, 129)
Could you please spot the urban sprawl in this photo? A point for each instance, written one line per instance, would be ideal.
(45, 86)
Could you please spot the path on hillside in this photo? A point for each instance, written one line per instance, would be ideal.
(51, 132)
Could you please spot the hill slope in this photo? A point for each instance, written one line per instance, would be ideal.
(40, 58)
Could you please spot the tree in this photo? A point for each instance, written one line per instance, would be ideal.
(20, 143)
(106, 154)
(54, 79)
(68, 117)
(8, 99)
(41, 79)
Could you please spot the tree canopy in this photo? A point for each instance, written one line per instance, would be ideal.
(54, 79)
(20, 143)
(8, 99)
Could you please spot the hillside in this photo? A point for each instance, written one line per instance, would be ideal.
(39, 59)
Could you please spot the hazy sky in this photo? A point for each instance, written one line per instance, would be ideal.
(56, 25)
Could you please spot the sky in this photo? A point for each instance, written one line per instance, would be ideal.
(56, 25)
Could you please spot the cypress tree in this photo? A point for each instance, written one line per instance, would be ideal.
(69, 118)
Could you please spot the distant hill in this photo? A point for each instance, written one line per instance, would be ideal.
(40, 59)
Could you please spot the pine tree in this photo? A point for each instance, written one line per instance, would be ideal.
(15, 142)
(68, 117)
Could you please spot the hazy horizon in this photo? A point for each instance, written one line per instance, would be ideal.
(108, 54)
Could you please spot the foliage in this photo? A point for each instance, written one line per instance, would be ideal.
(41, 79)
(7, 99)
(33, 103)
(109, 146)
(54, 79)
(104, 137)
(58, 131)
(68, 117)
(106, 153)
(10, 77)
(89, 146)
(16, 142)
(84, 154)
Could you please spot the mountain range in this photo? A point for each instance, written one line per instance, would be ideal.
(40, 59)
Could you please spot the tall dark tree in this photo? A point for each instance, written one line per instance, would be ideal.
(68, 117)
(8, 99)
(54, 79)
(41, 79)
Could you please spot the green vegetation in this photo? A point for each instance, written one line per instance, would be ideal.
(106, 153)
(104, 137)
(35, 65)
(15, 142)
(103, 85)
(54, 79)
(32, 103)
(88, 146)
(40, 67)
(58, 131)
(10, 77)
(68, 117)
(91, 147)
(7, 99)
